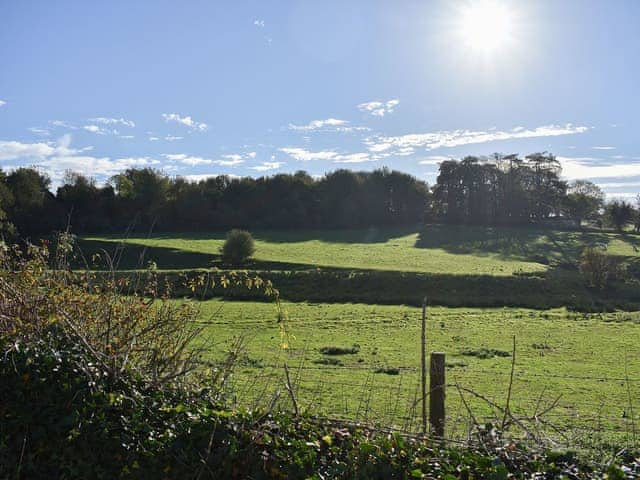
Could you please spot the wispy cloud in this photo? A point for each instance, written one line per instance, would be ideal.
(205, 176)
(113, 121)
(187, 121)
(2, 103)
(259, 22)
(304, 155)
(359, 157)
(330, 124)
(63, 124)
(604, 147)
(100, 130)
(193, 160)
(379, 109)
(434, 160)
(588, 168)
(43, 132)
(266, 166)
(453, 138)
(172, 138)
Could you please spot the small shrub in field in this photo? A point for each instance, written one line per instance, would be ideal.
(485, 353)
(599, 269)
(328, 361)
(340, 350)
(388, 370)
(238, 247)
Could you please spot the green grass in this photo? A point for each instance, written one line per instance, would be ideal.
(436, 249)
(582, 358)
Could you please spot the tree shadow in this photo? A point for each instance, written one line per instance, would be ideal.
(549, 247)
(111, 255)
(356, 235)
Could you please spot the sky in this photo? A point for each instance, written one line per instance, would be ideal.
(202, 88)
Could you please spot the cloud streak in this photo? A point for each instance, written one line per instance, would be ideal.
(186, 120)
(403, 144)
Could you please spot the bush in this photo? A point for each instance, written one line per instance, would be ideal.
(238, 247)
(599, 269)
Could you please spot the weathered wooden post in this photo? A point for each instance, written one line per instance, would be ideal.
(437, 394)
(423, 354)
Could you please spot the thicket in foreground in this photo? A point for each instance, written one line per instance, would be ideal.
(97, 384)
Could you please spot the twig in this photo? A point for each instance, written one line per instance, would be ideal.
(513, 366)
(290, 390)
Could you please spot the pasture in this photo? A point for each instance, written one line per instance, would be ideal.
(361, 360)
(588, 363)
(458, 250)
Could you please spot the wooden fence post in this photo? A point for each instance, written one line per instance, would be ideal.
(437, 394)
(423, 355)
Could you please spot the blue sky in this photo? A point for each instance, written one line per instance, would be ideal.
(199, 88)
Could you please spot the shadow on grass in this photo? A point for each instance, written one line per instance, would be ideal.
(132, 256)
(361, 235)
(548, 247)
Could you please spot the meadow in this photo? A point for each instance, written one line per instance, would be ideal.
(588, 363)
(458, 250)
(354, 337)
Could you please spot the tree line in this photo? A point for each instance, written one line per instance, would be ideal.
(501, 190)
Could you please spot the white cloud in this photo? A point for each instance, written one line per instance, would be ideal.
(126, 137)
(379, 109)
(99, 130)
(63, 124)
(604, 147)
(57, 157)
(231, 160)
(303, 155)
(454, 138)
(258, 22)
(44, 132)
(2, 103)
(319, 124)
(205, 176)
(187, 121)
(187, 159)
(265, 166)
(172, 138)
(584, 168)
(251, 154)
(434, 160)
(355, 158)
(154, 139)
(113, 121)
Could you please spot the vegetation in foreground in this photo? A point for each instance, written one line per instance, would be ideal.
(96, 384)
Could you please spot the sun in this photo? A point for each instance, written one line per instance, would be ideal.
(485, 26)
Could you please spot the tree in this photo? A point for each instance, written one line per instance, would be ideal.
(620, 214)
(238, 247)
(584, 201)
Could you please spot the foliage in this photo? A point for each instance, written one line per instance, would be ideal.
(619, 213)
(238, 247)
(599, 269)
(505, 190)
(584, 201)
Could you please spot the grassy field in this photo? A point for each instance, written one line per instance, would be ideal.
(583, 359)
(589, 363)
(436, 249)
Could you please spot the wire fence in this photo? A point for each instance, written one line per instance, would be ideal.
(554, 407)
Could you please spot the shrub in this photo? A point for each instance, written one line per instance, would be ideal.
(340, 350)
(238, 247)
(599, 269)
